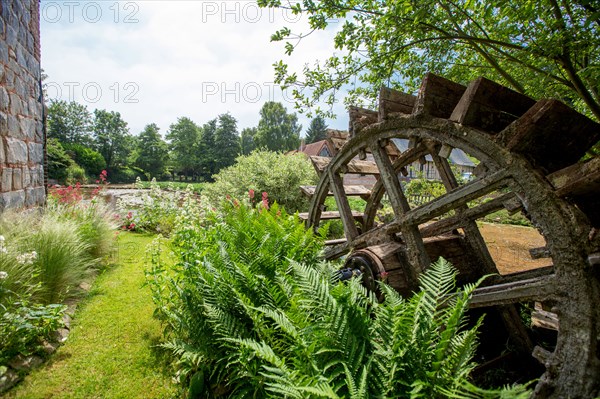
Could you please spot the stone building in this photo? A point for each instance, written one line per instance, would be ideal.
(22, 144)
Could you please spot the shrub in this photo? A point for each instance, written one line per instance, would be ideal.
(264, 171)
(125, 175)
(91, 161)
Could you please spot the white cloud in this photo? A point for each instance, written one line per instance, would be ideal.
(175, 58)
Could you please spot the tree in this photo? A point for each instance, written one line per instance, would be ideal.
(69, 122)
(247, 140)
(227, 142)
(207, 150)
(317, 130)
(542, 48)
(277, 130)
(184, 140)
(111, 138)
(152, 151)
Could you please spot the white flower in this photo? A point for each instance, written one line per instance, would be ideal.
(27, 258)
(3, 275)
(1, 238)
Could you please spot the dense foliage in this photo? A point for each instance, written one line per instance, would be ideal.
(250, 312)
(277, 174)
(82, 143)
(43, 260)
(541, 48)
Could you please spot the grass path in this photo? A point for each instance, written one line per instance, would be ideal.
(109, 353)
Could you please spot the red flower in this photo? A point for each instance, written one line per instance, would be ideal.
(131, 226)
(265, 195)
(251, 194)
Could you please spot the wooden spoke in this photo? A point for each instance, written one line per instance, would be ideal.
(417, 256)
(337, 186)
(456, 198)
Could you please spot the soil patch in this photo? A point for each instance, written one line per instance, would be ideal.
(509, 246)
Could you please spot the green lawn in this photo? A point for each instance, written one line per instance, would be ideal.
(110, 352)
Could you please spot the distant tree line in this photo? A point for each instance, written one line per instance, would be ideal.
(82, 143)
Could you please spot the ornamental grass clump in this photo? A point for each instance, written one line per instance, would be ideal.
(45, 255)
(250, 311)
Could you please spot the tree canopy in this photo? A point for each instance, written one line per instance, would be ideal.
(277, 130)
(112, 138)
(542, 48)
(317, 130)
(183, 137)
(152, 151)
(69, 122)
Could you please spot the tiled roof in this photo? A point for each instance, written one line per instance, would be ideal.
(314, 149)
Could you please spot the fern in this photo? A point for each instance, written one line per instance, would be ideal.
(251, 310)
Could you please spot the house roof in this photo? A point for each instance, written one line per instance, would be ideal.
(457, 156)
(314, 149)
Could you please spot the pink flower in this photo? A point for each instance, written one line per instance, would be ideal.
(265, 195)
(251, 194)
(131, 226)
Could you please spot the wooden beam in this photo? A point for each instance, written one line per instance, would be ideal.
(438, 96)
(354, 166)
(360, 118)
(415, 252)
(579, 179)
(536, 289)
(488, 106)
(456, 198)
(346, 214)
(459, 221)
(394, 102)
(351, 191)
(331, 215)
(551, 135)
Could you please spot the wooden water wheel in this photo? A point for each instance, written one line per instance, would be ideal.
(529, 159)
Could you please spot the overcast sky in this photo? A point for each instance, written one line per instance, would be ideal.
(154, 61)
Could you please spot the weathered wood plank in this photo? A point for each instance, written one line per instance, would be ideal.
(360, 118)
(551, 135)
(438, 96)
(456, 198)
(394, 102)
(354, 191)
(543, 319)
(540, 288)
(354, 166)
(337, 241)
(578, 179)
(335, 251)
(346, 213)
(415, 252)
(457, 222)
(330, 215)
(488, 106)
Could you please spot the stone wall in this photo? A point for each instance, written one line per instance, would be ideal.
(22, 141)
